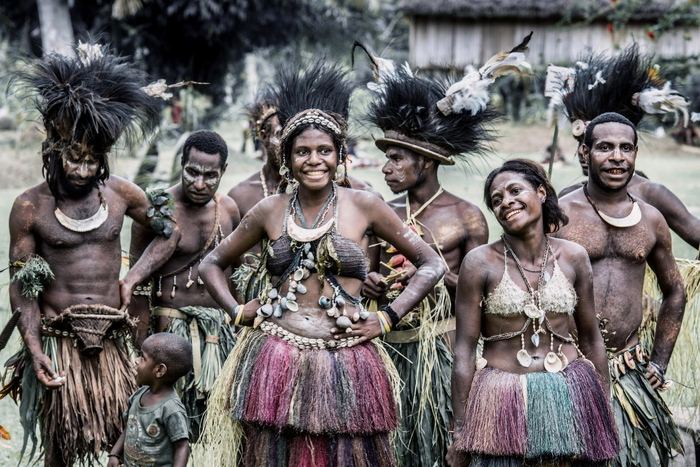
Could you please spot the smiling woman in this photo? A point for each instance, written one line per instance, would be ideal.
(298, 383)
(527, 392)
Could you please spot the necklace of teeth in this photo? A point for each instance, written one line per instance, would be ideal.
(274, 304)
(629, 220)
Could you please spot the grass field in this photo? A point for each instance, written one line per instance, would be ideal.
(662, 160)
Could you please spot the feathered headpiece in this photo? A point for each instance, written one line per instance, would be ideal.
(623, 84)
(87, 103)
(307, 93)
(262, 109)
(433, 118)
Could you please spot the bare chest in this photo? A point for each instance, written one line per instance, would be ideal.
(442, 229)
(603, 241)
(200, 229)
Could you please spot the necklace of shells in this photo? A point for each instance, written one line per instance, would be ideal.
(553, 362)
(304, 240)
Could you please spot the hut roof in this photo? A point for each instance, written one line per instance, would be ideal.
(523, 9)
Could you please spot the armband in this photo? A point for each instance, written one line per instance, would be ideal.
(35, 276)
(161, 211)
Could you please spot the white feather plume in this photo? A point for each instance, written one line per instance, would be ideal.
(664, 100)
(471, 93)
(695, 117)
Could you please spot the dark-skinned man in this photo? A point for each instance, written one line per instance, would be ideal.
(75, 370)
(179, 300)
(422, 130)
(622, 234)
(624, 81)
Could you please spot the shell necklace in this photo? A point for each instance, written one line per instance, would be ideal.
(629, 220)
(534, 311)
(85, 225)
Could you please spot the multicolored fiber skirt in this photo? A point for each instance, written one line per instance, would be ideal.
(643, 420)
(425, 368)
(276, 404)
(84, 416)
(538, 418)
(212, 340)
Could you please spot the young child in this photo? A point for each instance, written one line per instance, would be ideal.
(156, 421)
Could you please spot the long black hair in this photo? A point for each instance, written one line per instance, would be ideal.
(553, 216)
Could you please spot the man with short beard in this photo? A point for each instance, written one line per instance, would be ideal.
(180, 303)
(622, 234)
(75, 372)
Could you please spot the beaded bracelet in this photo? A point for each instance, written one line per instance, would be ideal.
(393, 317)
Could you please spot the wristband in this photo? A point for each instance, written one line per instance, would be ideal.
(237, 311)
(384, 322)
(118, 456)
(393, 317)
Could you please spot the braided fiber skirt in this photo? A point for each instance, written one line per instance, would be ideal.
(303, 407)
(538, 418)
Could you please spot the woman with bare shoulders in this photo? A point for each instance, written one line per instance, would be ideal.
(534, 396)
(306, 383)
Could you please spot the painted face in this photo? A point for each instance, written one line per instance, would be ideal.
(402, 169)
(611, 158)
(270, 137)
(314, 159)
(201, 175)
(81, 168)
(514, 202)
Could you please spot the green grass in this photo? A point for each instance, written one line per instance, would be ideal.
(662, 160)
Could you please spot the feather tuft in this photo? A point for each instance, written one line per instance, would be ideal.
(665, 100)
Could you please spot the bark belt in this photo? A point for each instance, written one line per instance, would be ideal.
(413, 335)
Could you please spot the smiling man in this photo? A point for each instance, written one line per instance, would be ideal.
(622, 234)
(180, 303)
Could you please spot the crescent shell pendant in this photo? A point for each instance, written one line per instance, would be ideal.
(83, 225)
(303, 235)
(628, 221)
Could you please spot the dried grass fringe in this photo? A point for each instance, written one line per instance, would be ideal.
(684, 366)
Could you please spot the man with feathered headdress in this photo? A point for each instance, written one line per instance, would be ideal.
(623, 233)
(75, 372)
(625, 84)
(427, 124)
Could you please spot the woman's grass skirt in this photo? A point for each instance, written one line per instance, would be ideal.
(275, 404)
(213, 341)
(84, 416)
(537, 418)
(643, 419)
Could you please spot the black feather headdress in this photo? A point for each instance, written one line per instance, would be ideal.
(321, 85)
(407, 111)
(87, 103)
(262, 108)
(602, 84)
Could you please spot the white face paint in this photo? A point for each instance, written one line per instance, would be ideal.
(201, 175)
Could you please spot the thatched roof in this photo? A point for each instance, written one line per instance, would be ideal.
(523, 9)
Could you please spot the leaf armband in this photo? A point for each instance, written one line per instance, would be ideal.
(35, 276)
(161, 211)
